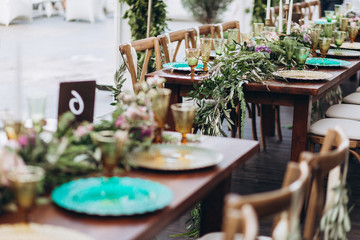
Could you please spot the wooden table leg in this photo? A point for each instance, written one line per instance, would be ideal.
(174, 98)
(212, 208)
(301, 123)
(268, 120)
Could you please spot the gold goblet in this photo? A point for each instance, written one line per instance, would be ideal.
(344, 24)
(219, 45)
(245, 37)
(192, 56)
(324, 45)
(353, 31)
(232, 38)
(339, 37)
(184, 114)
(160, 105)
(205, 46)
(328, 29)
(314, 38)
(24, 182)
(258, 28)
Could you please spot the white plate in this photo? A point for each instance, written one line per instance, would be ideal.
(302, 75)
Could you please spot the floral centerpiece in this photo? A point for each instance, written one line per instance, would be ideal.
(354, 18)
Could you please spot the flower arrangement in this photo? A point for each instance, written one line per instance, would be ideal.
(354, 18)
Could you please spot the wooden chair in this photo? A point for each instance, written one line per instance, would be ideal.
(166, 39)
(287, 201)
(195, 33)
(129, 50)
(326, 163)
(220, 28)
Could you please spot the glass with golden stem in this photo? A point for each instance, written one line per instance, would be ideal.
(205, 46)
(24, 182)
(232, 38)
(339, 12)
(13, 125)
(328, 29)
(339, 37)
(258, 28)
(301, 54)
(290, 44)
(192, 57)
(246, 36)
(344, 24)
(324, 45)
(314, 39)
(184, 114)
(329, 15)
(219, 46)
(160, 105)
(353, 31)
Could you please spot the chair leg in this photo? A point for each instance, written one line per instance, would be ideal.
(253, 121)
(278, 123)
(355, 154)
(262, 135)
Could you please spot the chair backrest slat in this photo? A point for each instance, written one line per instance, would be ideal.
(177, 36)
(227, 26)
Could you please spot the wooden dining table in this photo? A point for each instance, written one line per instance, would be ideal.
(208, 185)
(298, 94)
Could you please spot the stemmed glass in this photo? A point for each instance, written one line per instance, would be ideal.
(246, 36)
(37, 103)
(329, 15)
(344, 24)
(290, 44)
(328, 29)
(24, 182)
(258, 28)
(339, 11)
(353, 31)
(232, 38)
(192, 57)
(314, 37)
(160, 105)
(324, 45)
(339, 37)
(205, 46)
(13, 125)
(184, 114)
(219, 45)
(301, 54)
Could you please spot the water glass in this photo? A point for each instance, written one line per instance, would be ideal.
(328, 29)
(160, 105)
(290, 44)
(344, 24)
(184, 114)
(24, 182)
(314, 39)
(37, 104)
(339, 11)
(301, 54)
(329, 15)
(192, 57)
(219, 45)
(339, 37)
(324, 45)
(258, 28)
(353, 31)
(205, 46)
(232, 38)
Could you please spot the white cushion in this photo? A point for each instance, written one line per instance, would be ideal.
(220, 236)
(353, 98)
(358, 89)
(350, 127)
(347, 111)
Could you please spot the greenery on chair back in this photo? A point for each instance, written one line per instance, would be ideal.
(206, 11)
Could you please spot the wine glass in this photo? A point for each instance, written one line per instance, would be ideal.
(329, 15)
(24, 182)
(160, 105)
(205, 46)
(232, 38)
(353, 31)
(184, 114)
(344, 24)
(290, 44)
(301, 54)
(245, 37)
(314, 38)
(258, 28)
(219, 46)
(192, 56)
(328, 29)
(37, 103)
(339, 37)
(13, 125)
(324, 45)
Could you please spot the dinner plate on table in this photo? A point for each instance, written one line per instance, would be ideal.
(184, 66)
(341, 53)
(322, 21)
(326, 62)
(348, 45)
(302, 75)
(169, 157)
(113, 196)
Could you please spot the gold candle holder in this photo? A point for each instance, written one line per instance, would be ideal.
(267, 22)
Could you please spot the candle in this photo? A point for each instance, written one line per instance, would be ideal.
(268, 9)
(287, 2)
(288, 28)
(18, 84)
(280, 17)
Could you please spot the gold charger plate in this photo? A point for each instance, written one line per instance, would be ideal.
(169, 157)
(303, 75)
(34, 231)
(348, 45)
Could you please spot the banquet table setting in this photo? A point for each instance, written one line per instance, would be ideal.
(164, 148)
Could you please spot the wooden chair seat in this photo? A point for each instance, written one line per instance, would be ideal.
(238, 236)
(358, 89)
(352, 98)
(350, 127)
(346, 111)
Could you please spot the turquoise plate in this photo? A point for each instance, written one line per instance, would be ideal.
(112, 196)
(327, 62)
(184, 66)
(322, 21)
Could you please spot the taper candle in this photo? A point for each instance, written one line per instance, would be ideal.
(280, 17)
(18, 87)
(268, 9)
(288, 28)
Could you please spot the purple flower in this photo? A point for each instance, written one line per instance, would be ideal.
(262, 49)
(23, 141)
(306, 37)
(121, 123)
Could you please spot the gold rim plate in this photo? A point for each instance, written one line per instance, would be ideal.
(348, 45)
(303, 75)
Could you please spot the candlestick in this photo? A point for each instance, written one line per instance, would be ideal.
(288, 28)
(287, 2)
(268, 9)
(18, 84)
(267, 22)
(280, 17)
